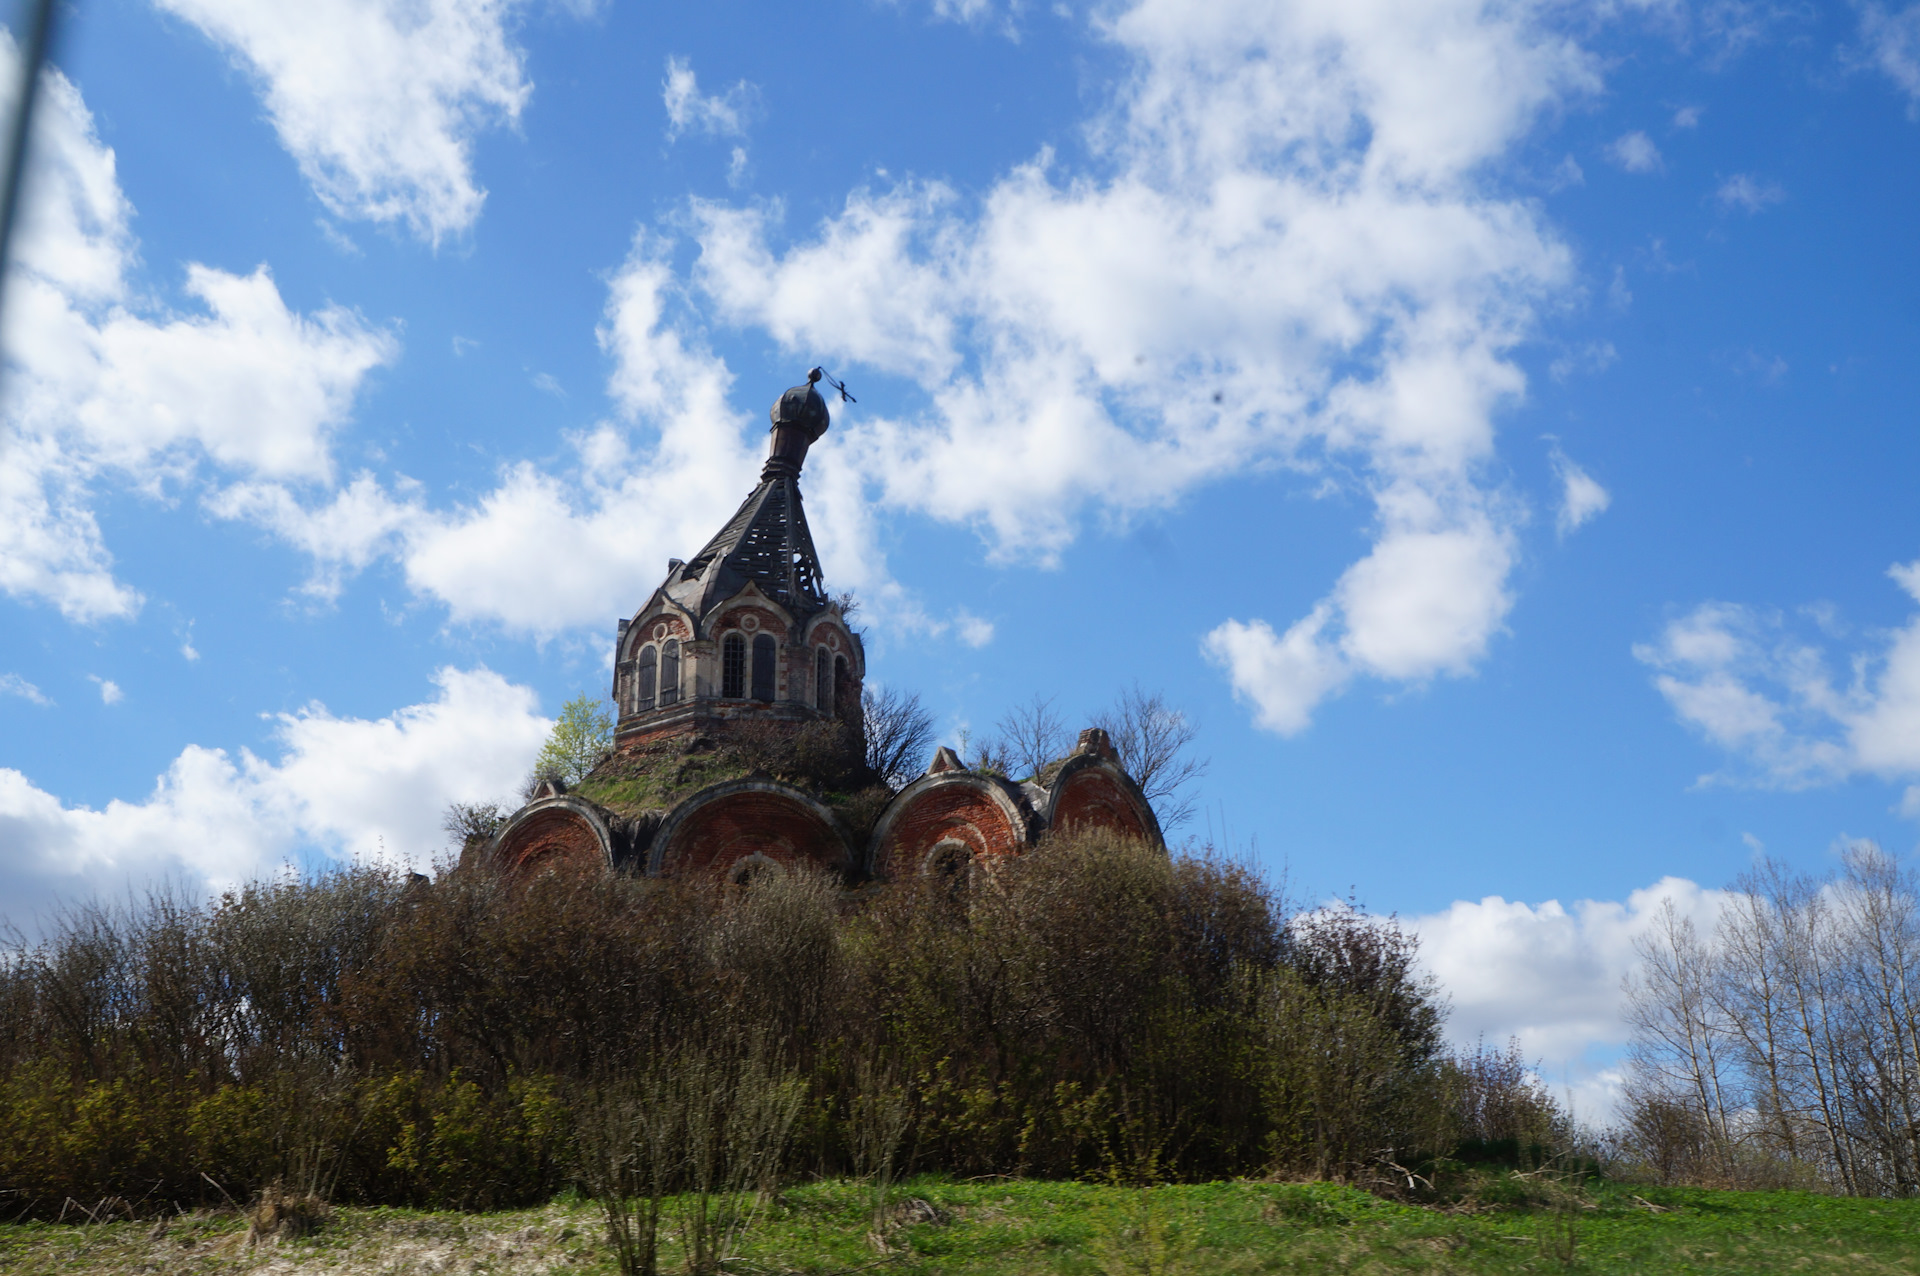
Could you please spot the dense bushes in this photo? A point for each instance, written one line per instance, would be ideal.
(1090, 1008)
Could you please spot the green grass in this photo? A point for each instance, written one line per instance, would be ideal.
(1014, 1227)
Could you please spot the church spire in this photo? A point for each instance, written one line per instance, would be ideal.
(767, 540)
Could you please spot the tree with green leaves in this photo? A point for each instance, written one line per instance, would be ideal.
(581, 736)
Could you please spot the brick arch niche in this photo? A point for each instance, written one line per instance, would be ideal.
(971, 810)
(1092, 793)
(718, 828)
(557, 833)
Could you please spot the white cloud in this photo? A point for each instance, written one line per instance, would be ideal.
(103, 388)
(1748, 193)
(1290, 260)
(1636, 153)
(1551, 976)
(1893, 47)
(378, 100)
(110, 692)
(1770, 699)
(342, 787)
(553, 549)
(974, 631)
(1687, 117)
(1581, 497)
(716, 115)
(12, 684)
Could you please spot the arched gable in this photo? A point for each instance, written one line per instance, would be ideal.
(843, 641)
(725, 823)
(750, 599)
(661, 610)
(981, 811)
(564, 833)
(1093, 792)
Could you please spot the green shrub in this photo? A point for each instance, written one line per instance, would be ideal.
(1093, 1008)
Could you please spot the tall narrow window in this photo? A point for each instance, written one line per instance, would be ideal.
(670, 673)
(764, 651)
(733, 666)
(823, 679)
(839, 682)
(643, 682)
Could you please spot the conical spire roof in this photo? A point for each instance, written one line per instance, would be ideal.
(766, 542)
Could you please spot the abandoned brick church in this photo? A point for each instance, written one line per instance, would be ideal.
(740, 738)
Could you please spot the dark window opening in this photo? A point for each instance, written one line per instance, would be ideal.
(751, 868)
(670, 672)
(950, 865)
(839, 683)
(764, 651)
(823, 679)
(733, 667)
(643, 682)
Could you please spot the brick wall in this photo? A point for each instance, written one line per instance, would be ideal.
(961, 812)
(732, 827)
(555, 839)
(1092, 799)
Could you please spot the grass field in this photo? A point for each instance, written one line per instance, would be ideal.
(935, 1226)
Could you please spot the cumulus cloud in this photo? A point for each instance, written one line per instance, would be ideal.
(1892, 41)
(110, 692)
(378, 101)
(1287, 260)
(339, 787)
(1550, 975)
(552, 548)
(1581, 497)
(1635, 152)
(1768, 695)
(1748, 193)
(102, 387)
(716, 115)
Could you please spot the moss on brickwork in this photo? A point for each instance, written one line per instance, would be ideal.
(821, 759)
(656, 777)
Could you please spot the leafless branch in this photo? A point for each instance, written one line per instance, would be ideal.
(1153, 738)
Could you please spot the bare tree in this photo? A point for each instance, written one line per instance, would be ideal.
(1029, 736)
(1682, 1045)
(899, 734)
(1153, 739)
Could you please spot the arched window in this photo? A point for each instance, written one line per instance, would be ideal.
(643, 682)
(839, 682)
(670, 673)
(823, 679)
(764, 651)
(733, 666)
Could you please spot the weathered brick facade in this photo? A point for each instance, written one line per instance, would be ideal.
(717, 829)
(983, 813)
(554, 834)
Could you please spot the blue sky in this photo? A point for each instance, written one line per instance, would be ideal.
(1492, 423)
